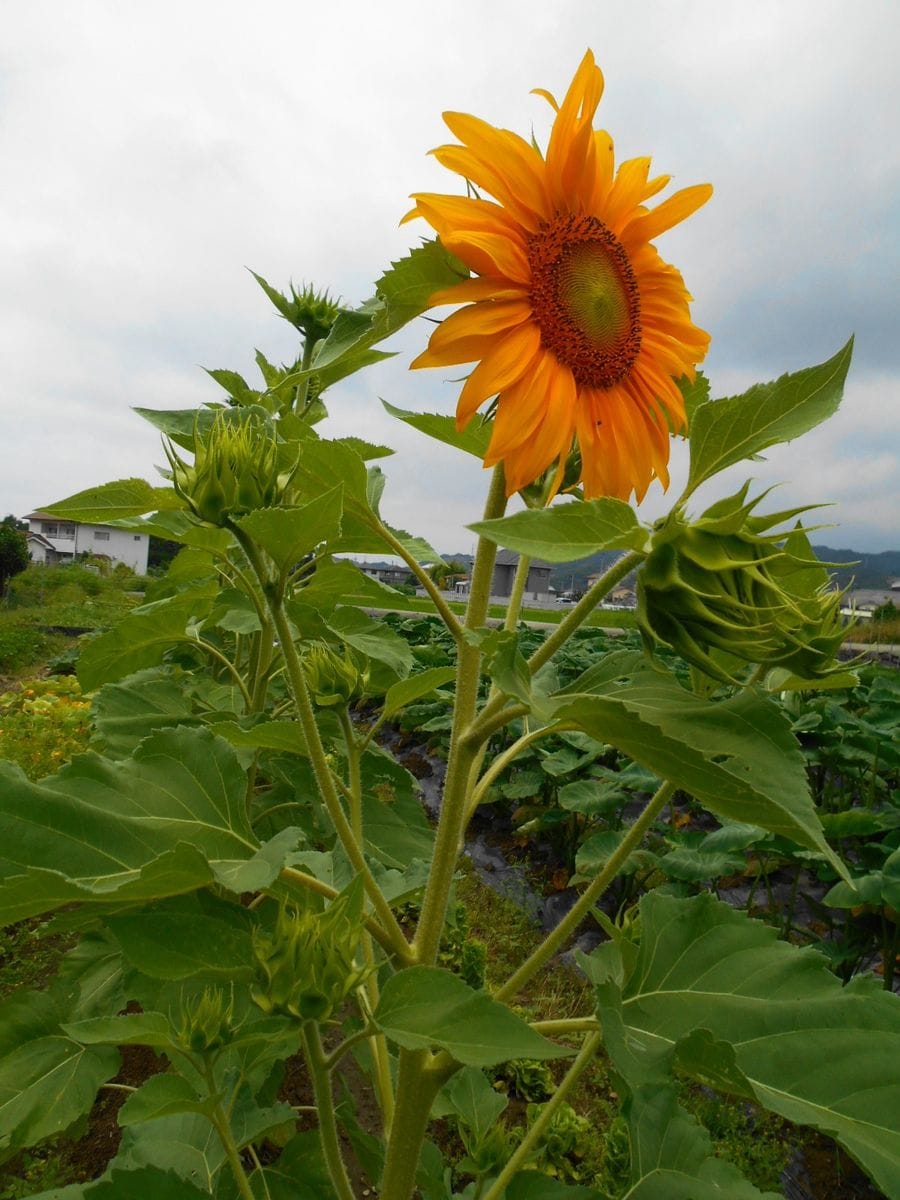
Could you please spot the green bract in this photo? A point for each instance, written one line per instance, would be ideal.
(306, 966)
(238, 467)
(333, 678)
(726, 583)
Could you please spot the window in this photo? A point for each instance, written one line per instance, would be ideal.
(100, 537)
(50, 528)
(137, 537)
(67, 532)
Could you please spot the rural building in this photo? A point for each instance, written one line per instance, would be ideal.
(537, 586)
(389, 573)
(53, 541)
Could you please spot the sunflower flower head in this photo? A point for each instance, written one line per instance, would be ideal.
(576, 325)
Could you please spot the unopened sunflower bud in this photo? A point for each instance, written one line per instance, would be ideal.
(239, 466)
(726, 583)
(206, 1022)
(333, 679)
(306, 966)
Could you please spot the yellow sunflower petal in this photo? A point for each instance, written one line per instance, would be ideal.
(671, 212)
(454, 212)
(515, 162)
(488, 254)
(482, 287)
(479, 320)
(509, 358)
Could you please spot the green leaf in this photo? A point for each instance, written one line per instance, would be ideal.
(671, 1155)
(162, 1096)
(474, 1100)
(567, 531)
(47, 1080)
(123, 498)
(407, 287)
(179, 423)
(286, 736)
(184, 936)
(473, 439)
(287, 534)
(127, 712)
(535, 1185)
(811, 1050)
(140, 640)
(301, 1159)
(137, 1029)
(723, 432)
(423, 1007)
(97, 825)
(128, 1185)
(408, 690)
(185, 1143)
(737, 756)
(342, 582)
(372, 638)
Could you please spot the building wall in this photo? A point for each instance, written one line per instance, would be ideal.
(118, 545)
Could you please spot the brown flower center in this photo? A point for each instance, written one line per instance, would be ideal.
(585, 299)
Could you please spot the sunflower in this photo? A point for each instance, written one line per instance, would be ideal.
(578, 327)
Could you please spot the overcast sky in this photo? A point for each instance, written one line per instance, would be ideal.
(150, 152)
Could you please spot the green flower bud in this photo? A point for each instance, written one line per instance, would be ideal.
(305, 968)
(239, 466)
(332, 678)
(206, 1021)
(725, 583)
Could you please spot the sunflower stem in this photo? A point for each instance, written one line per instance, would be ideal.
(533, 1137)
(518, 591)
(589, 897)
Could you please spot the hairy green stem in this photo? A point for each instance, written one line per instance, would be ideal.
(434, 592)
(565, 1025)
(514, 607)
(583, 609)
(493, 716)
(324, 779)
(369, 994)
(226, 662)
(502, 761)
(418, 1082)
(533, 1137)
(451, 826)
(222, 1125)
(320, 1076)
(589, 897)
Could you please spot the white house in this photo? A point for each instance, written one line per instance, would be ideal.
(53, 540)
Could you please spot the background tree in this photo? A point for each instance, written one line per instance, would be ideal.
(14, 555)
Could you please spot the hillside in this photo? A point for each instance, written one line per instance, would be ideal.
(863, 570)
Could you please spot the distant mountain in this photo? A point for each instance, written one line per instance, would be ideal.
(862, 570)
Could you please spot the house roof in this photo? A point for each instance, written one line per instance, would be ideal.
(60, 545)
(509, 558)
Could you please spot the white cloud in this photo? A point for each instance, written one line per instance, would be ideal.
(149, 153)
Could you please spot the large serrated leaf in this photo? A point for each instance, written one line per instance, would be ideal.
(567, 531)
(737, 756)
(141, 1184)
(182, 796)
(141, 639)
(287, 534)
(47, 1080)
(815, 1052)
(185, 936)
(473, 439)
(423, 1007)
(724, 432)
(122, 498)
